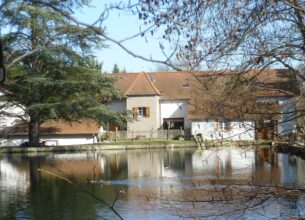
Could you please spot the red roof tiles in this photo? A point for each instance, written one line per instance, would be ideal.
(142, 85)
(178, 85)
(59, 127)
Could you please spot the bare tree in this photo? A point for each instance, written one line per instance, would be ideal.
(231, 34)
(235, 35)
(224, 34)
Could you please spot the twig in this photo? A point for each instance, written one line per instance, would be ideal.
(82, 190)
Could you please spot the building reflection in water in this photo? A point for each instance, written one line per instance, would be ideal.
(259, 165)
(225, 162)
(150, 164)
(156, 172)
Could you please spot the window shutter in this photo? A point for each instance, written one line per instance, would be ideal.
(147, 112)
(135, 112)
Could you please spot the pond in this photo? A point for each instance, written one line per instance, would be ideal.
(218, 183)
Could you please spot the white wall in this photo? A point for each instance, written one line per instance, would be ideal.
(239, 130)
(175, 109)
(50, 141)
(287, 122)
(69, 140)
(12, 141)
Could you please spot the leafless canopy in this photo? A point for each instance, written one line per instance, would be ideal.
(230, 34)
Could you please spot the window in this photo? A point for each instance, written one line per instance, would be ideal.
(173, 123)
(143, 112)
(224, 125)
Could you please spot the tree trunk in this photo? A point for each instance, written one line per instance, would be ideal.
(2, 68)
(34, 130)
(34, 124)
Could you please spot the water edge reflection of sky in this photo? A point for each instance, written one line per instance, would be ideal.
(152, 184)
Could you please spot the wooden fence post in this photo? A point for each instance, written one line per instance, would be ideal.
(167, 134)
(116, 130)
(151, 134)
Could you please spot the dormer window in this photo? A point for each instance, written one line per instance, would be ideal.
(186, 85)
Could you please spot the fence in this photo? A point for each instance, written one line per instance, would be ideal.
(142, 135)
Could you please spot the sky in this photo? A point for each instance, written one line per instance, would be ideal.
(120, 25)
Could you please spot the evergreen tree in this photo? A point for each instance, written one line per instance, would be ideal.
(116, 68)
(50, 72)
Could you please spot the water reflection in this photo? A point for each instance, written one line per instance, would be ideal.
(145, 179)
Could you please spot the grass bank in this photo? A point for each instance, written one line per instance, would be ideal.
(120, 145)
(139, 144)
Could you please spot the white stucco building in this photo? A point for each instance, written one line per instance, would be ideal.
(182, 100)
(174, 100)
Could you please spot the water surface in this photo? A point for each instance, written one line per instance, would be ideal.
(228, 183)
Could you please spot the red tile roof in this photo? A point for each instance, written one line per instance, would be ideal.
(179, 85)
(135, 84)
(58, 127)
(213, 94)
(70, 128)
(142, 85)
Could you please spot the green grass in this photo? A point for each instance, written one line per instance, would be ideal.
(147, 142)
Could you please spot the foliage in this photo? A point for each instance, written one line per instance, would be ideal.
(116, 68)
(51, 71)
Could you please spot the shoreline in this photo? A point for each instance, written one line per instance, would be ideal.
(282, 147)
(127, 146)
(94, 147)
(294, 149)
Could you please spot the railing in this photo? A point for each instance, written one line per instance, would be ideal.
(142, 135)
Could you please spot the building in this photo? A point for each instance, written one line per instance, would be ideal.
(217, 105)
(53, 133)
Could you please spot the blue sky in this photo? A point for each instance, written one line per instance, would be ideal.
(120, 25)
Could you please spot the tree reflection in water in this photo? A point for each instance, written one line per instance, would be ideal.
(157, 184)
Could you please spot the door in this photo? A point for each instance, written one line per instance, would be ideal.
(266, 129)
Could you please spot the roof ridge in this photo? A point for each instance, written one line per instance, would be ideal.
(133, 83)
(152, 84)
